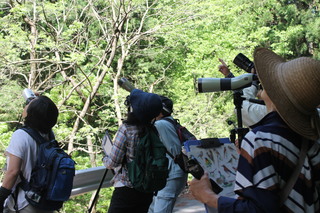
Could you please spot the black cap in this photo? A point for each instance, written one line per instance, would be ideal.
(167, 104)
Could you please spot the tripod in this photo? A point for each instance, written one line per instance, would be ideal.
(239, 130)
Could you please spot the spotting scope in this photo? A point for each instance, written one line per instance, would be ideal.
(223, 84)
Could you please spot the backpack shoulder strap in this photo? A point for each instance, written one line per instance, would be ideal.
(36, 135)
(171, 155)
(284, 193)
(173, 122)
(24, 184)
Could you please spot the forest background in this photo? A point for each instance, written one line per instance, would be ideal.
(75, 51)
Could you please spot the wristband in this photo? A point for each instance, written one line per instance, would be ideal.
(230, 75)
(4, 193)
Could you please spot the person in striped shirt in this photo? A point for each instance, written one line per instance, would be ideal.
(271, 150)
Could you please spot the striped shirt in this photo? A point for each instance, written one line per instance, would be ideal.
(122, 151)
(269, 155)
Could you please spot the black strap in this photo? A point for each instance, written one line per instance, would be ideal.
(39, 140)
(173, 122)
(23, 184)
(179, 159)
(284, 193)
(171, 155)
(15, 196)
(36, 135)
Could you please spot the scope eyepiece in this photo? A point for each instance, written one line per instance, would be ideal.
(243, 62)
(28, 95)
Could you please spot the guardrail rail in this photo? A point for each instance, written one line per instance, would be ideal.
(87, 180)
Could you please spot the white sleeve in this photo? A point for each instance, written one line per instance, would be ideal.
(251, 112)
(19, 143)
(22, 146)
(250, 92)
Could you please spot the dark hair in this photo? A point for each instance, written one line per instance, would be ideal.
(167, 106)
(133, 120)
(165, 113)
(42, 114)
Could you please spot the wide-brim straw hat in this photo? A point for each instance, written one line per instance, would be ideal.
(293, 87)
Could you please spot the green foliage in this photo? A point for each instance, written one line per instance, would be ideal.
(12, 102)
(5, 135)
(178, 42)
(80, 203)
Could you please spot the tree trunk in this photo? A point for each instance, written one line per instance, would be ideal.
(33, 42)
(97, 85)
(91, 152)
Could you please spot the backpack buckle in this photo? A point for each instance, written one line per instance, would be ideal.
(33, 196)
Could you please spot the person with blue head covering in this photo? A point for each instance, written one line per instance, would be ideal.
(143, 108)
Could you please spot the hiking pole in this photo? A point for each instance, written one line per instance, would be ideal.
(98, 190)
(106, 145)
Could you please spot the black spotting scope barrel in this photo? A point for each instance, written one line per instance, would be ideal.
(125, 84)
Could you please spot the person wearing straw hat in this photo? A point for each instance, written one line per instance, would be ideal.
(279, 163)
(143, 108)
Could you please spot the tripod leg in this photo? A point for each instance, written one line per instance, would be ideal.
(97, 192)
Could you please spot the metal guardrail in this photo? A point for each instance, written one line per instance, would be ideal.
(87, 180)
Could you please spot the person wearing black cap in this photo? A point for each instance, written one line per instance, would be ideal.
(143, 108)
(164, 201)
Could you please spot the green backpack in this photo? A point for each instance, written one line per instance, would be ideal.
(148, 171)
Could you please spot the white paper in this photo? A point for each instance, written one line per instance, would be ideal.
(106, 143)
(220, 163)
